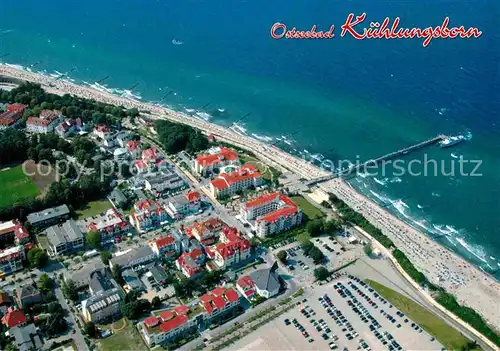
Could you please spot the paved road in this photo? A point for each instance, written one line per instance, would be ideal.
(70, 319)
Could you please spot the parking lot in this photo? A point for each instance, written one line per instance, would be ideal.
(348, 316)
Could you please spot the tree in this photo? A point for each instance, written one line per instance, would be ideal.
(37, 257)
(368, 249)
(155, 302)
(69, 290)
(105, 257)
(44, 284)
(90, 329)
(316, 254)
(331, 226)
(282, 256)
(321, 273)
(93, 239)
(315, 227)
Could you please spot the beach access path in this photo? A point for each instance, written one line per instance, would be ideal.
(471, 286)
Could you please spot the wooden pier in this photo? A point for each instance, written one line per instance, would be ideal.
(376, 161)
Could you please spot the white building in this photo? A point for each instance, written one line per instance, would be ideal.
(271, 213)
(228, 184)
(45, 123)
(64, 237)
(204, 164)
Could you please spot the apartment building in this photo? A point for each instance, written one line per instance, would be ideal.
(148, 214)
(11, 260)
(45, 122)
(64, 238)
(205, 164)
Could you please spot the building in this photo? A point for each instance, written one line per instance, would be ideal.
(206, 164)
(14, 318)
(183, 205)
(101, 131)
(219, 304)
(231, 251)
(120, 154)
(109, 224)
(132, 281)
(191, 263)
(11, 260)
(27, 338)
(166, 247)
(27, 294)
(264, 282)
(150, 156)
(45, 122)
(205, 232)
(117, 198)
(64, 238)
(81, 277)
(272, 213)
(69, 126)
(147, 215)
(14, 231)
(228, 184)
(159, 275)
(133, 148)
(5, 303)
(163, 182)
(12, 116)
(104, 302)
(133, 258)
(169, 326)
(122, 138)
(49, 216)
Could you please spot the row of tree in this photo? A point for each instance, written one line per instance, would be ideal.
(320, 226)
(312, 251)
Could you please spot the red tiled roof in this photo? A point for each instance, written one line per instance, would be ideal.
(140, 164)
(219, 302)
(261, 200)
(232, 295)
(276, 215)
(9, 118)
(192, 196)
(16, 108)
(245, 282)
(225, 180)
(151, 321)
(133, 145)
(224, 154)
(231, 233)
(164, 241)
(219, 291)
(149, 155)
(14, 318)
(166, 315)
(249, 293)
(173, 323)
(180, 310)
(208, 307)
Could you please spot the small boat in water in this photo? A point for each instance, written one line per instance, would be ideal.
(453, 140)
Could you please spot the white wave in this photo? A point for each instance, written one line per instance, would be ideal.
(395, 180)
(130, 95)
(239, 128)
(203, 115)
(420, 206)
(454, 155)
(468, 136)
(436, 194)
(441, 229)
(401, 207)
(442, 110)
(381, 182)
(6, 31)
(15, 66)
(475, 250)
(318, 157)
(421, 223)
(288, 142)
(305, 151)
(262, 137)
(221, 110)
(493, 258)
(382, 198)
(190, 110)
(177, 42)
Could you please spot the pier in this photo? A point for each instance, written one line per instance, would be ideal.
(376, 161)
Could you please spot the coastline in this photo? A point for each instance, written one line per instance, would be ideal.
(470, 285)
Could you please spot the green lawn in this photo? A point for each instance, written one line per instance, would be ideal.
(268, 173)
(308, 208)
(448, 336)
(16, 187)
(127, 338)
(93, 208)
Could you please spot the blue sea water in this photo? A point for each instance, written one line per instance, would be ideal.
(360, 98)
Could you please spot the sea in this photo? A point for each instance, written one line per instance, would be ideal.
(325, 100)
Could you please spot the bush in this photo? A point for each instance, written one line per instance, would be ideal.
(321, 273)
(282, 256)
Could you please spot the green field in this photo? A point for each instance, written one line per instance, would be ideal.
(93, 208)
(123, 338)
(308, 208)
(268, 173)
(448, 336)
(16, 187)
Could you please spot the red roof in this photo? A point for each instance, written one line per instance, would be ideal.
(166, 315)
(151, 321)
(225, 180)
(231, 233)
(219, 302)
(208, 307)
(16, 108)
(276, 215)
(101, 128)
(245, 282)
(249, 293)
(193, 196)
(232, 295)
(140, 164)
(261, 200)
(133, 145)
(180, 310)
(173, 323)
(149, 155)
(219, 291)
(218, 298)
(14, 318)
(164, 241)
(224, 154)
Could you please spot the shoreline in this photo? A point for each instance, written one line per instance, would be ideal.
(471, 286)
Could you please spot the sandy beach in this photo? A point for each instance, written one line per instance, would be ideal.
(471, 286)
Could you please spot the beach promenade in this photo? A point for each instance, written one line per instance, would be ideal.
(471, 286)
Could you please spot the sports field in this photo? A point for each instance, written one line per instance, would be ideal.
(16, 187)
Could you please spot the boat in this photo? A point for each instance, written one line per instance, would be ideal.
(450, 141)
